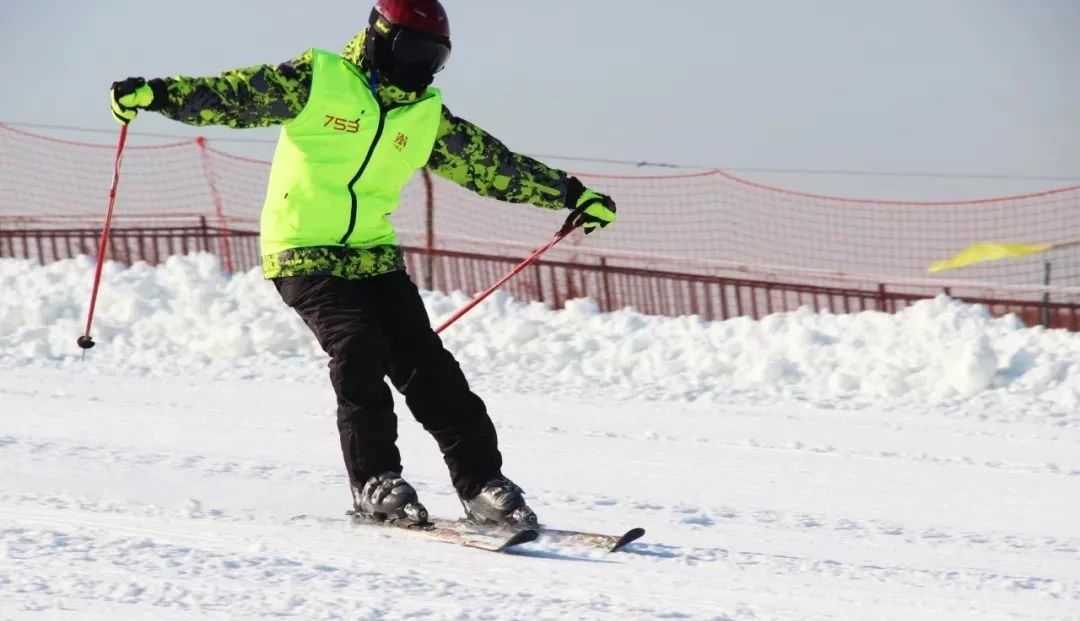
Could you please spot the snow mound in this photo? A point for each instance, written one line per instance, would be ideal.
(186, 316)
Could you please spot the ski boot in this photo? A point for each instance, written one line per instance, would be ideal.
(500, 502)
(388, 497)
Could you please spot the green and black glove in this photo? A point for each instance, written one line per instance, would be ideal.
(128, 96)
(591, 209)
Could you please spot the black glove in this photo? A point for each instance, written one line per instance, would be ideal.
(591, 209)
(127, 96)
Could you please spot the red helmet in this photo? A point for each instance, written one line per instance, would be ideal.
(408, 42)
(427, 16)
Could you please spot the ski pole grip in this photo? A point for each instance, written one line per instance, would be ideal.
(572, 221)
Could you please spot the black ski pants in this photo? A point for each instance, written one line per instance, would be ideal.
(376, 328)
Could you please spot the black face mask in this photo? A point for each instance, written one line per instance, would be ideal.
(406, 59)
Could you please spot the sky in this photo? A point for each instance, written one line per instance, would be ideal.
(987, 87)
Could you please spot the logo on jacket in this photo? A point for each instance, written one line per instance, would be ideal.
(342, 125)
(401, 141)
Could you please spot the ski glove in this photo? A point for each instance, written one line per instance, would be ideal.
(128, 96)
(591, 209)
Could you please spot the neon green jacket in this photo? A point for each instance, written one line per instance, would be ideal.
(266, 95)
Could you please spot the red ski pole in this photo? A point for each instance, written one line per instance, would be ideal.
(84, 341)
(567, 228)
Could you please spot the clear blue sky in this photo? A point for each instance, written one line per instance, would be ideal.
(984, 86)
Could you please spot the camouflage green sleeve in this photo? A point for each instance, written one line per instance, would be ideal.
(257, 96)
(474, 159)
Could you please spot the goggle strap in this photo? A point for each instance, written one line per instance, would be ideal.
(382, 26)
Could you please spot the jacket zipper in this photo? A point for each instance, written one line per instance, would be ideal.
(352, 192)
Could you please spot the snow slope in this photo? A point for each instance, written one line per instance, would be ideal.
(919, 466)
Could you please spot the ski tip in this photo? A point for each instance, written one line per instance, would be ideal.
(629, 537)
(520, 537)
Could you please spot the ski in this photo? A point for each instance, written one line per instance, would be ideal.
(461, 533)
(611, 543)
(491, 539)
(494, 538)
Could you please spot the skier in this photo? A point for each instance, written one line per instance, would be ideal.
(355, 127)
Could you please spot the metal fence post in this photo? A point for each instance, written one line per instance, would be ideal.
(609, 302)
(205, 232)
(1046, 295)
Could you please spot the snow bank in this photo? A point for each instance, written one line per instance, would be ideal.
(186, 317)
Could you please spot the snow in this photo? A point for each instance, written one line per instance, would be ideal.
(186, 316)
(924, 465)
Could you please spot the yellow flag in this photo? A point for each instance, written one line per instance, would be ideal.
(988, 251)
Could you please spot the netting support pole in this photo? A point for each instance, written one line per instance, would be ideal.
(223, 230)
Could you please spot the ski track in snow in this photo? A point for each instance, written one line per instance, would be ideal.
(174, 500)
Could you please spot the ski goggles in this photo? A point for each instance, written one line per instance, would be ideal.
(410, 47)
(413, 48)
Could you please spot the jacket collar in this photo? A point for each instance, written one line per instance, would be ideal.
(388, 94)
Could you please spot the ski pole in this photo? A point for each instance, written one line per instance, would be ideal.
(84, 341)
(568, 227)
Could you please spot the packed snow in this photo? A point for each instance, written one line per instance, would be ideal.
(924, 465)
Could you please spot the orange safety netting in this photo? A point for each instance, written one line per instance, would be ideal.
(711, 222)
